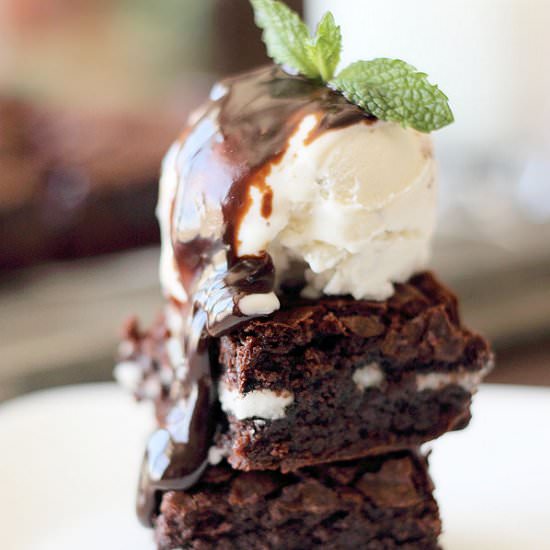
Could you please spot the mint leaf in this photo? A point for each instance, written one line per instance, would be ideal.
(391, 89)
(286, 36)
(326, 46)
(289, 43)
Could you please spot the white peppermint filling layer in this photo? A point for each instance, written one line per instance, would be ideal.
(266, 404)
(369, 376)
(466, 379)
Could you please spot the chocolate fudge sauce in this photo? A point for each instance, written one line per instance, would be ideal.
(243, 132)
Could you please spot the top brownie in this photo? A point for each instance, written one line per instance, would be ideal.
(331, 379)
(337, 378)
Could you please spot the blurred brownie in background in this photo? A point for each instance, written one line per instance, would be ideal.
(76, 184)
(73, 183)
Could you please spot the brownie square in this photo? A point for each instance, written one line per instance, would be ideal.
(331, 379)
(371, 503)
(340, 378)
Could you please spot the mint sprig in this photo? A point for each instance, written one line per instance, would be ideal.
(289, 43)
(391, 89)
(388, 89)
(325, 47)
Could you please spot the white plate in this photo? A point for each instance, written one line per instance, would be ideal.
(69, 460)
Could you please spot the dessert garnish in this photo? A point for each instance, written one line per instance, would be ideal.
(389, 89)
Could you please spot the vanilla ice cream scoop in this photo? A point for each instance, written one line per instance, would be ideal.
(355, 207)
(278, 179)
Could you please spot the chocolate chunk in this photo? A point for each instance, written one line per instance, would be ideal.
(392, 486)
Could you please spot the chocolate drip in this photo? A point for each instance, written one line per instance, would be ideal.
(244, 130)
(176, 454)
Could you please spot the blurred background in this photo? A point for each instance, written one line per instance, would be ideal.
(92, 92)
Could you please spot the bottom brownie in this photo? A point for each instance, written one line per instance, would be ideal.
(373, 503)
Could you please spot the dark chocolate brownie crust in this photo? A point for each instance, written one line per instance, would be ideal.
(313, 350)
(375, 503)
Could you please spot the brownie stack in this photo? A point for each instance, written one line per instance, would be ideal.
(299, 363)
(324, 406)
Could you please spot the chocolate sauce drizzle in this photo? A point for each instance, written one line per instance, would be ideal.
(243, 131)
